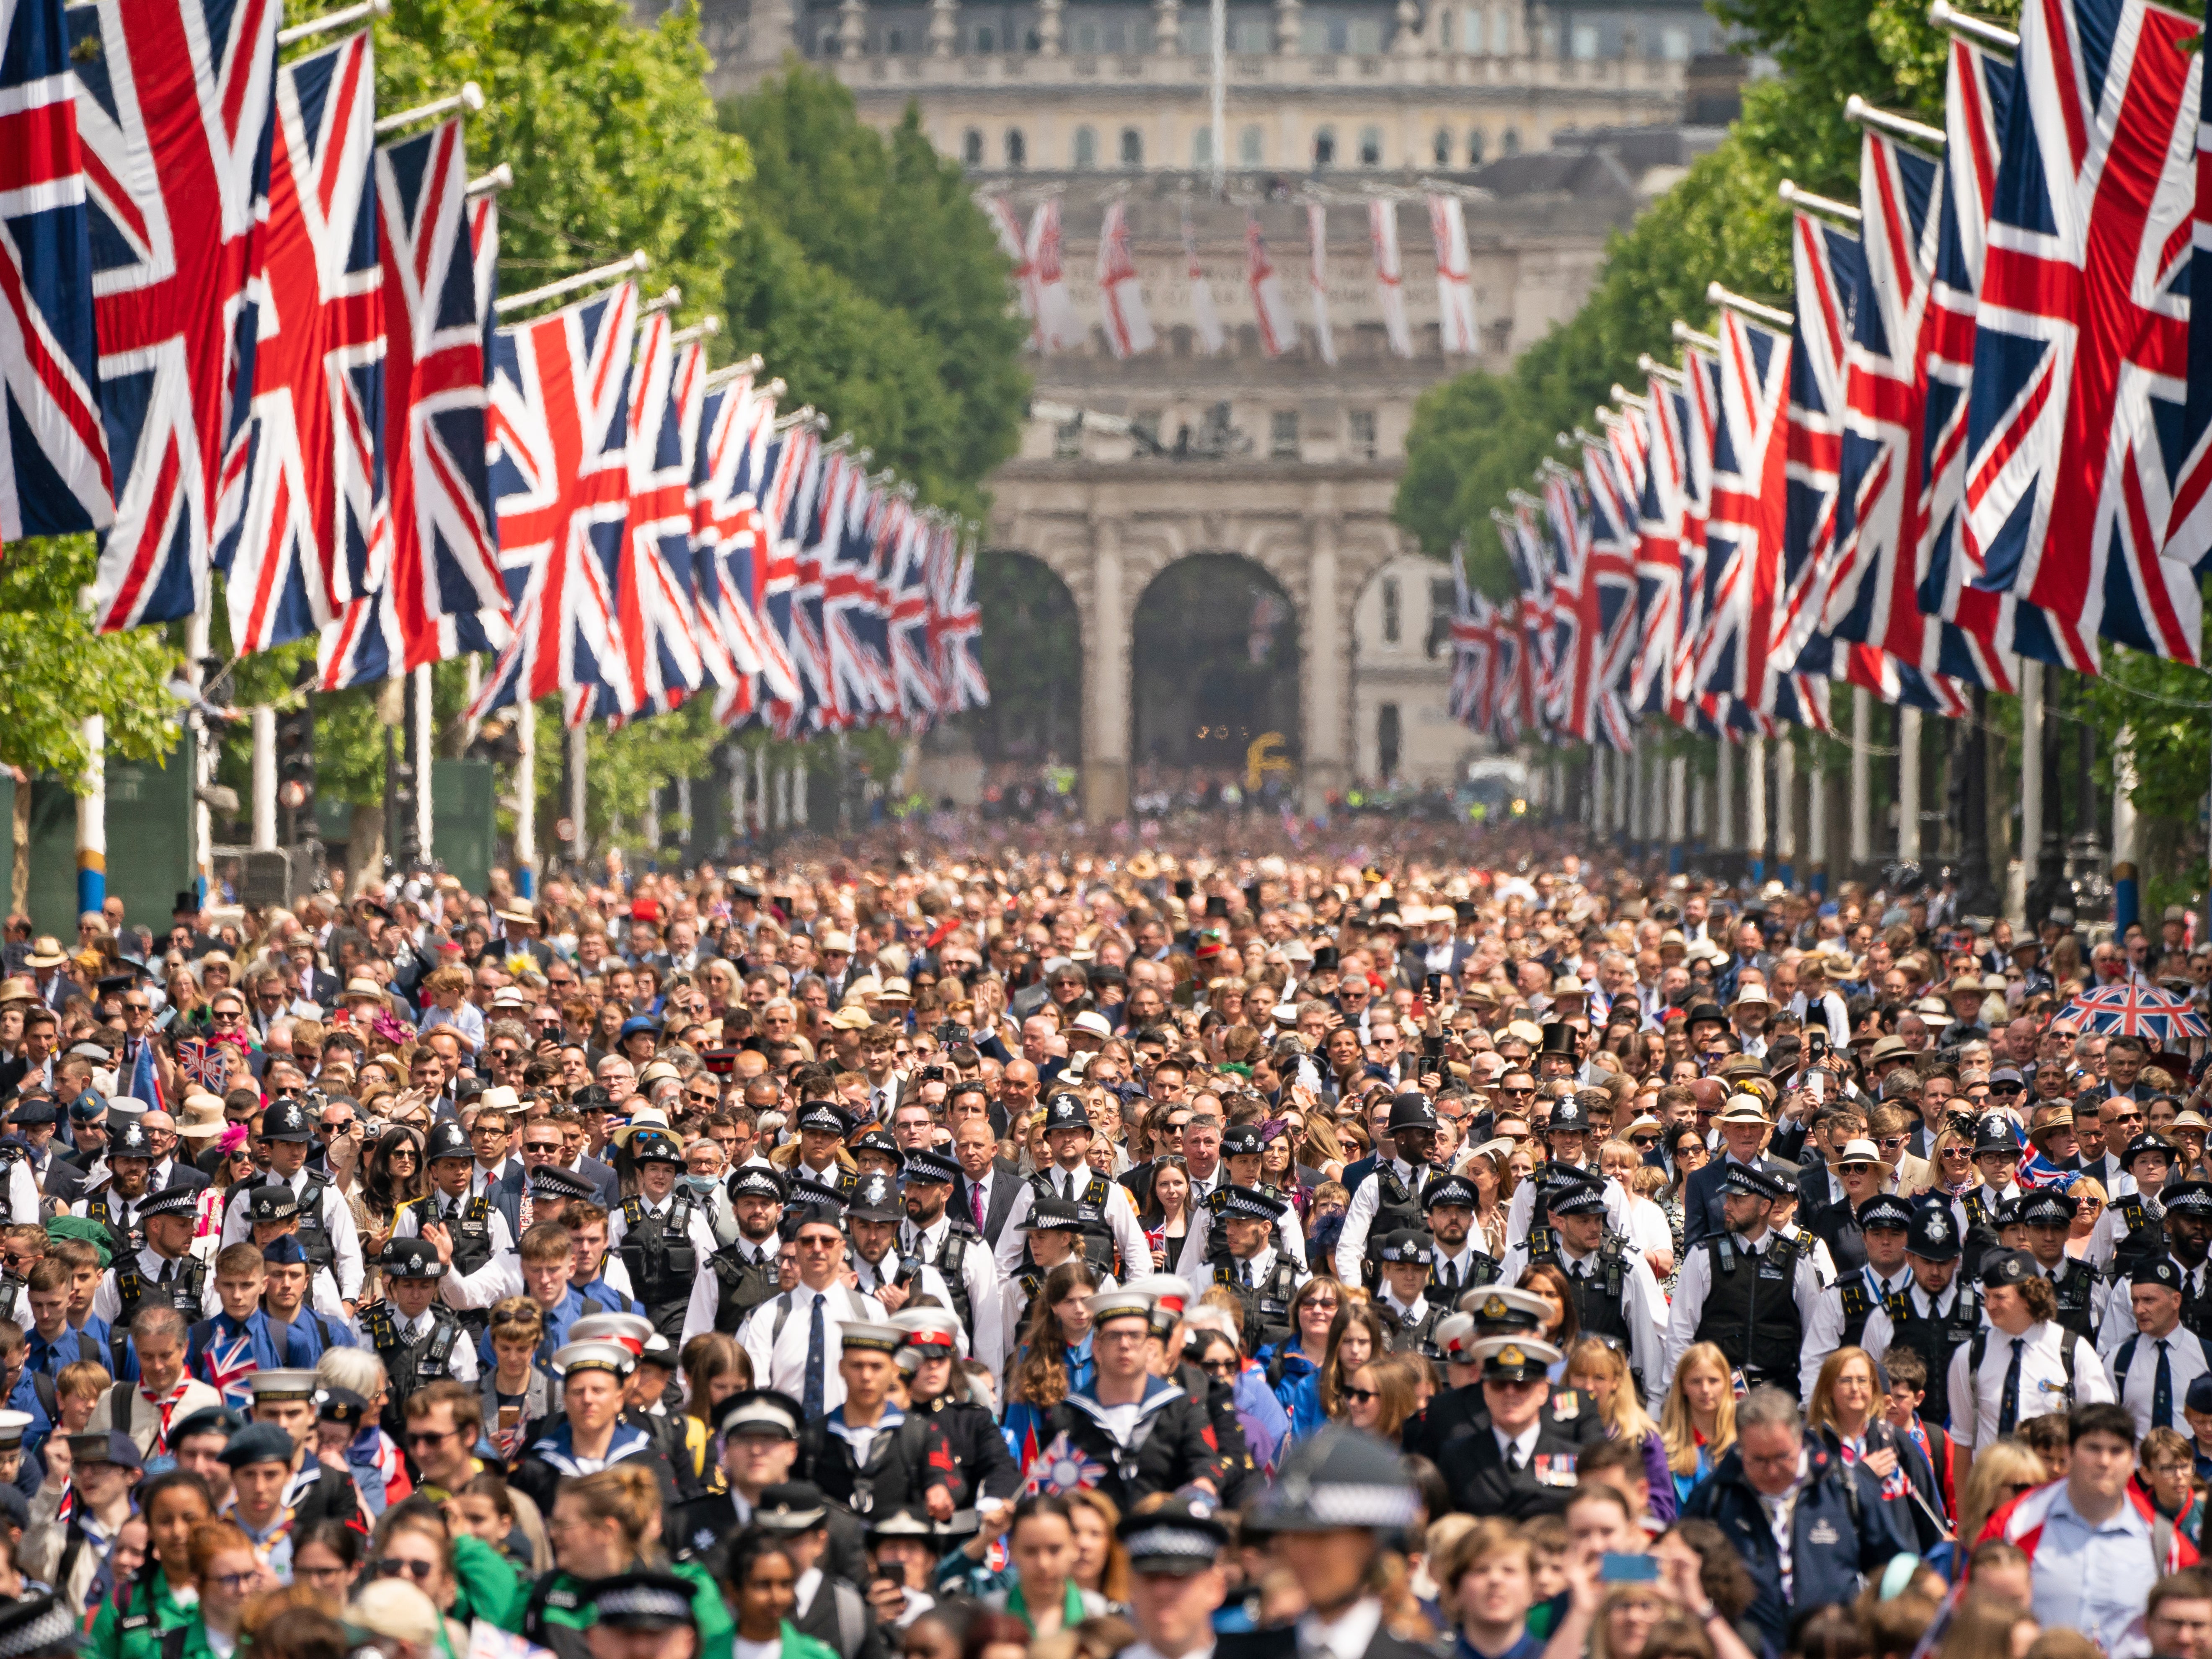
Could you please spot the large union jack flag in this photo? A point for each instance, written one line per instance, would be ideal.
(560, 473)
(314, 531)
(54, 472)
(656, 595)
(2081, 347)
(174, 108)
(852, 609)
(226, 1364)
(956, 624)
(1475, 647)
(1659, 509)
(921, 696)
(730, 543)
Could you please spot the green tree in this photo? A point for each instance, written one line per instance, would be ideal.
(55, 671)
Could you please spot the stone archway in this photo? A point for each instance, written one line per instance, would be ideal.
(1214, 661)
(1032, 651)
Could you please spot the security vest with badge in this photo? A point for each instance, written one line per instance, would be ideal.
(657, 1251)
(1751, 1307)
(2145, 1220)
(1265, 1298)
(122, 1239)
(412, 1362)
(1859, 1300)
(1091, 1198)
(744, 1281)
(2077, 1284)
(286, 1120)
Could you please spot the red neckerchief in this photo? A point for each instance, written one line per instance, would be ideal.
(167, 1408)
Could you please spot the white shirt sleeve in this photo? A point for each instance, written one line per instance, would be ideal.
(346, 1241)
(1824, 1334)
(1687, 1313)
(1128, 1234)
(22, 1194)
(1013, 1237)
(706, 1302)
(1358, 1222)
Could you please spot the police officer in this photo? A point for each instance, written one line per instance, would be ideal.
(114, 1205)
(2133, 1227)
(892, 1277)
(1885, 1225)
(947, 1242)
(741, 1275)
(1937, 1312)
(164, 1271)
(663, 1237)
(420, 1341)
(1749, 1291)
(327, 1233)
(2188, 1205)
(1244, 1260)
(1107, 1211)
(1518, 1466)
(1175, 1580)
(1614, 1293)
(1992, 1139)
(1460, 1265)
(1409, 1318)
(2152, 1369)
(2047, 1216)
(1240, 1167)
(1389, 1199)
(471, 1220)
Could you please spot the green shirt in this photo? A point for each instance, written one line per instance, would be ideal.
(137, 1634)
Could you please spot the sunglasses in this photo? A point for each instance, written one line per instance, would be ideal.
(1363, 1396)
(1643, 1140)
(420, 1571)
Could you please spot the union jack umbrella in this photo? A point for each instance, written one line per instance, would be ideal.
(2081, 344)
(2137, 1010)
(54, 473)
(313, 530)
(175, 107)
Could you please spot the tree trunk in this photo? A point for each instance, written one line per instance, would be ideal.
(365, 849)
(19, 871)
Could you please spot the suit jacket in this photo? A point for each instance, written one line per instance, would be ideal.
(1837, 1228)
(604, 1177)
(505, 1191)
(1701, 1202)
(63, 1180)
(1282, 1642)
(1480, 1483)
(1005, 1181)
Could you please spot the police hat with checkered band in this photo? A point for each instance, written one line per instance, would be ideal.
(2190, 1198)
(131, 1140)
(823, 1116)
(1179, 1537)
(1751, 1182)
(655, 1146)
(1249, 1204)
(1581, 1199)
(2006, 1211)
(757, 1180)
(170, 1200)
(448, 1140)
(928, 1167)
(1342, 1478)
(643, 1601)
(286, 1120)
(1452, 1192)
(37, 1627)
(875, 1199)
(2149, 1142)
(1934, 1234)
(2046, 1207)
(1240, 1140)
(410, 1258)
(1065, 1111)
(551, 1180)
(1405, 1248)
(273, 1202)
(1055, 1215)
(1885, 1209)
(879, 1141)
(1412, 1111)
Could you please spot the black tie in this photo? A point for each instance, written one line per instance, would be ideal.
(2161, 1389)
(169, 1272)
(1248, 1282)
(2009, 1412)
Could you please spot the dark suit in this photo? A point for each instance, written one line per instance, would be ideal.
(1475, 1471)
(602, 1176)
(1005, 1181)
(1282, 1642)
(61, 1179)
(505, 1189)
(1701, 1200)
(1838, 1229)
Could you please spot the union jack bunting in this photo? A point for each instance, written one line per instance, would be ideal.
(174, 110)
(560, 475)
(656, 594)
(313, 529)
(817, 505)
(1575, 611)
(1474, 638)
(1608, 591)
(852, 611)
(729, 544)
(2080, 346)
(54, 472)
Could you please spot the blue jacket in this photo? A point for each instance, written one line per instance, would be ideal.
(1300, 1389)
(1838, 1534)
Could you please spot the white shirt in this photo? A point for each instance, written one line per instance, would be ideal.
(1825, 1333)
(1348, 1637)
(707, 1288)
(2186, 1362)
(1360, 1214)
(1691, 1289)
(1120, 1221)
(1517, 1449)
(781, 1358)
(1978, 1397)
(1642, 1309)
(1880, 1332)
(337, 1222)
(701, 1230)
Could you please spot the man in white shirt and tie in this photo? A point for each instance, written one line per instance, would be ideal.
(2154, 1366)
(287, 1134)
(756, 1200)
(1067, 1133)
(1462, 1263)
(793, 1338)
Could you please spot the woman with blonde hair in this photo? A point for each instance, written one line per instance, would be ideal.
(1382, 1394)
(1355, 1337)
(2090, 1200)
(2003, 1471)
(1596, 1368)
(1697, 1420)
(1846, 1411)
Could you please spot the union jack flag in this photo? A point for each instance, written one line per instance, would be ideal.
(954, 625)
(1511, 676)
(313, 530)
(860, 678)
(656, 592)
(211, 1062)
(1701, 397)
(54, 472)
(819, 504)
(228, 1367)
(728, 538)
(1660, 504)
(1608, 595)
(1061, 1467)
(1748, 505)
(174, 109)
(1574, 690)
(921, 696)
(794, 469)
(559, 474)
(2080, 345)
(1474, 642)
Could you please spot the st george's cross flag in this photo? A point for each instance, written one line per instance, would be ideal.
(54, 472)
(175, 107)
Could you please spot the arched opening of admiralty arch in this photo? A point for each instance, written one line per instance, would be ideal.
(1214, 671)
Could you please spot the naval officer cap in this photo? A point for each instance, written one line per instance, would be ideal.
(12, 1425)
(761, 1414)
(868, 1337)
(633, 1331)
(2160, 1271)
(1515, 1358)
(282, 1387)
(1180, 1537)
(1454, 1337)
(931, 1331)
(1497, 1309)
(1342, 1477)
(1118, 1304)
(794, 1507)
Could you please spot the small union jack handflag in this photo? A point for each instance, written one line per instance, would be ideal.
(228, 1367)
(1061, 1467)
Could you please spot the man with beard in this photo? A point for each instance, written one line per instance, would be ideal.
(741, 1274)
(934, 1236)
(1461, 1264)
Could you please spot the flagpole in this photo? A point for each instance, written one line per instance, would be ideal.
(1754, 804)
(264, 780)
(1217, 88)
(1785, 807)
(508, 304)
(525, 797)
(91, 819)
(578, 758)
(1908, 785)
(424, 743)
(470, 97)
(197, 645)
(1862, 778)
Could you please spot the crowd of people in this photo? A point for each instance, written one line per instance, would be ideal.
(1477, 1246)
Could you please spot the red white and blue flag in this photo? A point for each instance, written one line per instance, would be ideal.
(656, 595)
(1061, 1467)
(175, 109)
(54, 473)
(311, 528)
(956, 624)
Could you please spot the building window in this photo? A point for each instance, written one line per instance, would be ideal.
(1470, 29)
(1116, 37)
(984, 36)
(1283, 435)
(1313, 37)
(1032, 42)
(1370, 147)
(1086, 148)
(831, 46)
(1389, 740)
(1475, 148)
(1067, 439)
(1441, 149)
(1197, 36)
(972, 147)
(1674, 44)
(1393, 622)
(1018, 148)
(1254, 36)
(1583, 42)
(1440, 615)
(1132, 148)
(1362, 435)
(1250, 145)
(1324, 151)
(1501, 34)
(1511, 144)
(1086, 38)
(1365, 36)
(1201, 148)
(893, 40)
(1146, 423)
